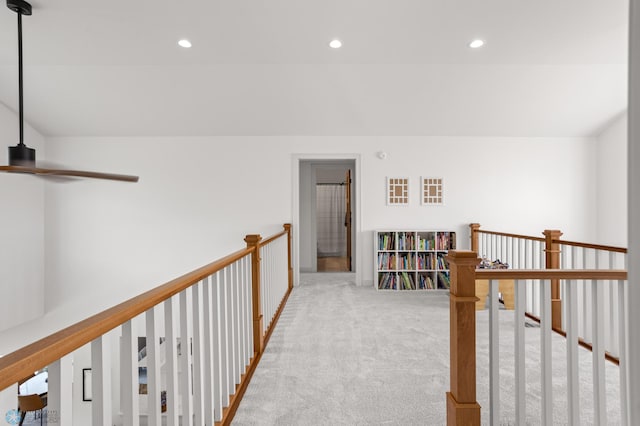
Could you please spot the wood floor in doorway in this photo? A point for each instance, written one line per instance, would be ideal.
(333, 264)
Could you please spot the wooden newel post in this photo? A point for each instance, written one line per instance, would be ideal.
(258, 326)
(475, 241)
(462, 407)
(552, 261)
(287, 227)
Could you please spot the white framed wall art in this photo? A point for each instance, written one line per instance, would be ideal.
(397, 191)
(431, 191)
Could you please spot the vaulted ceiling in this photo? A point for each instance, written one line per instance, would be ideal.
(113, 68)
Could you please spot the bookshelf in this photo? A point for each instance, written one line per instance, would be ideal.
(412, 260)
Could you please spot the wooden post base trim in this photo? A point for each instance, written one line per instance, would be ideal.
(459, 413)
(462, 299)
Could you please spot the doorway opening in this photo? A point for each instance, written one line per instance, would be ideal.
(327, 242)
(333, 219)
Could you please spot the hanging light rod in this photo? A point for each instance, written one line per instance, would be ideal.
(21, 155)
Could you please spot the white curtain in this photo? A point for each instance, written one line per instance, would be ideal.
(330, 211)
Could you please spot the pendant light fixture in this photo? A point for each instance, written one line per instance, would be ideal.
(22, 159)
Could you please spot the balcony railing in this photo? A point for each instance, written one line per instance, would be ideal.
(203, 335)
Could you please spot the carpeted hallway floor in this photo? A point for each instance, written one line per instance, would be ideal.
(347, 355)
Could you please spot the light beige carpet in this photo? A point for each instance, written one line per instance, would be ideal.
(347, 355)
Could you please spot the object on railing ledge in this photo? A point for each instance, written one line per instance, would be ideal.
(496, 264)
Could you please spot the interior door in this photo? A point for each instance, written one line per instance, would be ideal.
(347, 218)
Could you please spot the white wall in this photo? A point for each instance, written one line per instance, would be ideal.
(634, 211)
(611, 184)
(196, 200)
(197, 197)
(22, 231)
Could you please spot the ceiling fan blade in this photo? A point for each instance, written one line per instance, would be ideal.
(62, 172)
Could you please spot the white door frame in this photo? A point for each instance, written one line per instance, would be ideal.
(295, 214)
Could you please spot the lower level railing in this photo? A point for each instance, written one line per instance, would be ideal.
(551, 252)
(182, 353)
(462, 405)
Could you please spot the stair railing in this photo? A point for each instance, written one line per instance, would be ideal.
(551, 252)
(462, 405)
(211, 322)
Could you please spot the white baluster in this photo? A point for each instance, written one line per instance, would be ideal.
(171, 363)
(129, 376)
(224, 339)
(186, 381)
(249, 310)
(217, 345)
(622, 330)
(545, 356)
(520, 379)
(599, 390)
(60, 391)
(229, 326)
(528, 249)
(237, 331)
(153, 369)
(494, 353)
(207, 351)
(198, 395)
(584, 329)
(265, 287)
(612, 343)
(573, 388)
(243, 313)
(101, 381)
(483, 245)
(513, 252)
(493, 247)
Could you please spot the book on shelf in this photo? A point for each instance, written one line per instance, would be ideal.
(442, 262)
(386, 261)
(387, 281)
(406, 241)
(446, 241)
(408, 282)
(386, 241)
(425, 282)
(407, 261)
(443, 280)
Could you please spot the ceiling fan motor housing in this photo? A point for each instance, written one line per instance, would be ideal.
(22, 155)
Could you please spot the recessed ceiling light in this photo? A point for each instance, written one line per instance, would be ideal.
(184, 43)
(476, 44)
(336, 44)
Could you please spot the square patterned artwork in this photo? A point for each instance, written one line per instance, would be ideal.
(432, 191)
(397, 191)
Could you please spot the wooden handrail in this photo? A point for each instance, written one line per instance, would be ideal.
(273, 238)
(591, 246)
(547, 274)
(505, 234)
(475, 228)
(23, 362)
